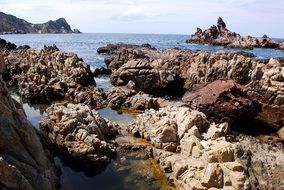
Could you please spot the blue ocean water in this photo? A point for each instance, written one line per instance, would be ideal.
(86, 45)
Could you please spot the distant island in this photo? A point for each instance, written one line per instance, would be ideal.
(220, 35)
(10, 24)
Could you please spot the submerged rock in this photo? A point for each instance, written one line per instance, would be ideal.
(195, 154)
(220, 35)
(81, 133)
(24, 162)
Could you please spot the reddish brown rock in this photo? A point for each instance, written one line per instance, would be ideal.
(223, 100)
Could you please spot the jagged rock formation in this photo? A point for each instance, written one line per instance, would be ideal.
(220, 35)
(194, 154)
(184, 70)
(50, 74)
(80, 132)
(10, 24)
(130, 99)
(24, 163)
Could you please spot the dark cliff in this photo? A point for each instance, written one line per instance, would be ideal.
(10, 24)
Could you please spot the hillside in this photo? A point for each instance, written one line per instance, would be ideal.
(10, 24)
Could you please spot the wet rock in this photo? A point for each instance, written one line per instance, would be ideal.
(24, 163)
(4, 45)
(220, 35)
(223, 100)
(80, 132)
(101, 71)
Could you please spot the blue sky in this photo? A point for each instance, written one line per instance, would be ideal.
(248, 17)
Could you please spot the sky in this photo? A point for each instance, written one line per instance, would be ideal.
(247, 17)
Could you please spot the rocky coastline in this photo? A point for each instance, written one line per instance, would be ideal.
(24, 161)
(188, 106)
(221, 36)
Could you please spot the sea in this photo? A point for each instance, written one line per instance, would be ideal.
(129, 170)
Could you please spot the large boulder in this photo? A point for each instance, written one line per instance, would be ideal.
(80, 133)
(147, 76)
(223, 101)
(24, 162)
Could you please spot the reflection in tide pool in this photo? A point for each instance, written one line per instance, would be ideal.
(34, 115)
(120, 118)
(128, 171)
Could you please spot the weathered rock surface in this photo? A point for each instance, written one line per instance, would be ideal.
(11, 177)
(49, 74)
(13, 25)
(269, 90)
(129, 98)
(266, 162)
(80, 132)
(223, 101)
(194, 154)
(152, 71)
(174, 71)
(24, 164)
(220, 35)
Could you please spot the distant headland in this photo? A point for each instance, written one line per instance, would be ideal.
(10, 24)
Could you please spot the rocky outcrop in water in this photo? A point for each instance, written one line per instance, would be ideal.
(7, 45)
(24, 163)
(50, 74)
(81, 133)
(13, 25)
(220, 35)
(195, 154)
